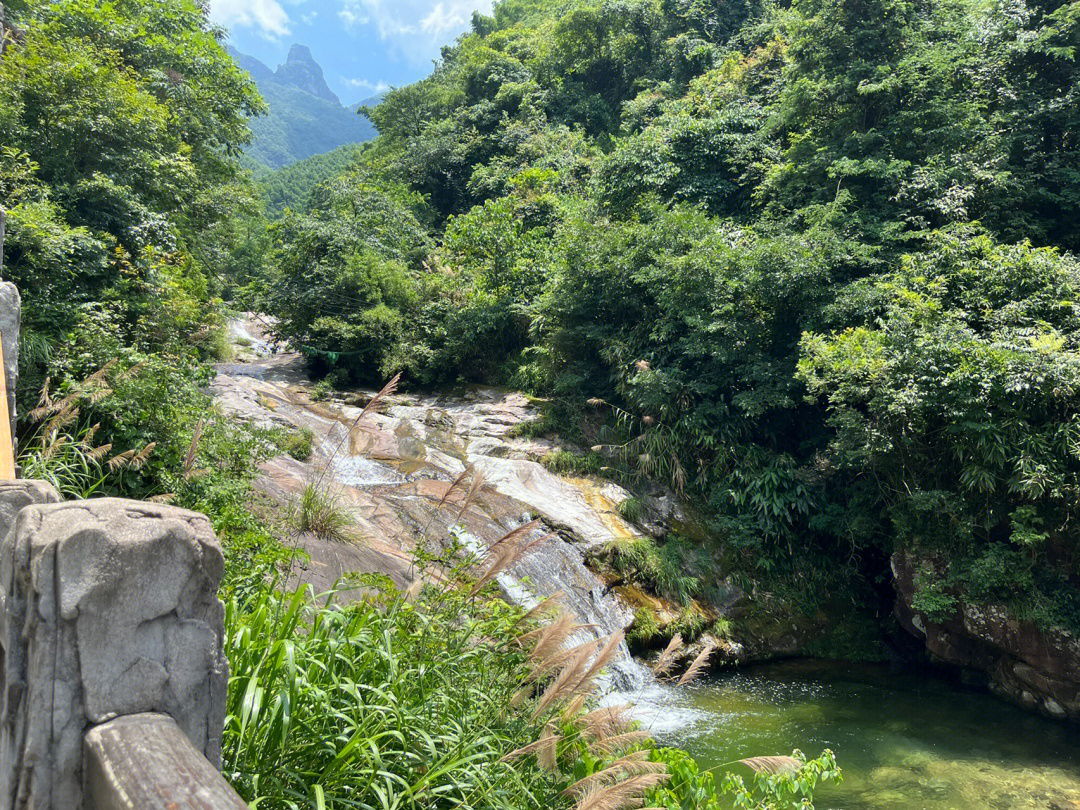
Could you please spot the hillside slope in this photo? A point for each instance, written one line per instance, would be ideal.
(290, 186)
(305, 117)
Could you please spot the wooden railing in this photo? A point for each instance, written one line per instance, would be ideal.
(144, 761)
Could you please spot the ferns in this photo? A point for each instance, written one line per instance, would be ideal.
(659, 566)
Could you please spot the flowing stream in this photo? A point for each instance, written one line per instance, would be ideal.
(905, 740)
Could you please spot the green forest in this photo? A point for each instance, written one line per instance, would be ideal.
(807, 266)
(811, 263)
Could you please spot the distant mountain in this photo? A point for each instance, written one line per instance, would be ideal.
(367, 102)
(257, 70)
(301, 70)
(305, 116)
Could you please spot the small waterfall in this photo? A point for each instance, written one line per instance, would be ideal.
(555, 566)
(241, 334)
(360, 471)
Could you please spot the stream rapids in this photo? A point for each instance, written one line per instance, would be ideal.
(393, 469)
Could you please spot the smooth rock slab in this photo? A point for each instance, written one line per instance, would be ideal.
(112, 610)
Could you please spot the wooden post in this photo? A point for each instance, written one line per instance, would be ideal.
(7, 445)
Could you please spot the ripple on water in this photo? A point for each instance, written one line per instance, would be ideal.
(904, 741)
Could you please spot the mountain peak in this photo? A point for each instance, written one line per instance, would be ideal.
(301, 53)
(302, 71)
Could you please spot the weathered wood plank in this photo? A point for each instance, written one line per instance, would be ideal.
(144, 762)
(7, 445)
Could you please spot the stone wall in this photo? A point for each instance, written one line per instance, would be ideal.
(109, 609)
(1039, 669)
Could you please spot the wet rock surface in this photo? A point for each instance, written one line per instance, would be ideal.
(1036, 668)
(393, 468)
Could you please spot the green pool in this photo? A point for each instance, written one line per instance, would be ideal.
(905, 741)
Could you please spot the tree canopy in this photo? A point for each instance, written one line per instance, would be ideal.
(813, 257)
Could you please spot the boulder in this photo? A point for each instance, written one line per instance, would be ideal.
(111, 610)
(1038, 668)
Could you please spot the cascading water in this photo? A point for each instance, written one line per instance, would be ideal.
(388, 469)
(557, 566)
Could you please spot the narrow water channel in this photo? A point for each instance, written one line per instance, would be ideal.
(905, 740)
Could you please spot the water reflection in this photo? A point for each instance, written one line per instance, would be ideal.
(905, 740)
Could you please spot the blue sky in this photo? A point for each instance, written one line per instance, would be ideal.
(364, 46)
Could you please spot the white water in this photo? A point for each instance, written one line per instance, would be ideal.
(241, 335)
(358, 471)
(556, 566)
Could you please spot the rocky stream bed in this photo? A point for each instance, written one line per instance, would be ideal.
(394, 468)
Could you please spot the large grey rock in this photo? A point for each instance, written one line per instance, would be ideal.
(1036, 667)
(111, 610)
(10, 315)
(14, 495)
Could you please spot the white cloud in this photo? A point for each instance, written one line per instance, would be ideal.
(443, 19)
(417, 27)
(266, 15)
(351, 15)
(363, 84)
(308, 19)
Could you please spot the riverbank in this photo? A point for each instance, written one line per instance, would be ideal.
(393, 471)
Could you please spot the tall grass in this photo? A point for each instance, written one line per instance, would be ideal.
(436, 698)
(320, 511)
(395, 701)
(660, 567)
(70, 457)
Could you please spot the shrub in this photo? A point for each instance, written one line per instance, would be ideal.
(660, 567)
(721, 627)
(320, 511)
(776, 783)
(690, 623)
(564, 462)
(296, 443)
(631, 510)
(645, 627)
(932, 597)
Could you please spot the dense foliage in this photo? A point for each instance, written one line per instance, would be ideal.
(809, 261)
(291, 186)
(128, 218)
(122, 193)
